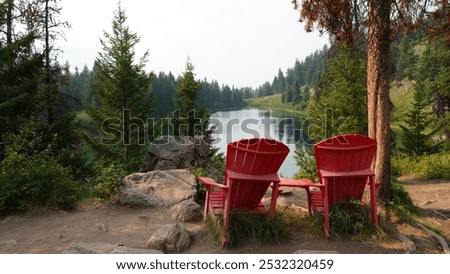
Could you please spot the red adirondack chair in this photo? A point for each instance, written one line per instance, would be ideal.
(344, 169)
(251, 167)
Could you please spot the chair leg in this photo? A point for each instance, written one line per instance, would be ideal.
(326, 211)
(273, 201)
(308, 195)
(205, 213)
(226, 218)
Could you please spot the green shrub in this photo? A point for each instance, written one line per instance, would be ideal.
(33, 182)
(201, 190)
(400, 202)
(434, 166)
(307, 164)
(108, 181)
(218, 160)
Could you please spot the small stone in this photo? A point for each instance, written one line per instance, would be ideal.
(102, 227)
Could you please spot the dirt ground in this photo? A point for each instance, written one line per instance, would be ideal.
(52, 231)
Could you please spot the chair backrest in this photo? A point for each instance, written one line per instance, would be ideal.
(345, 153)
(258, 157)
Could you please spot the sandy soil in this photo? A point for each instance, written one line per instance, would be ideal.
(52, 231)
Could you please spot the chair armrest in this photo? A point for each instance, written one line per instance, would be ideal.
(209, 182)
(358, 173)
(303, 183)
(260, 178)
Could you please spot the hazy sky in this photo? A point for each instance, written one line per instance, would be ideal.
(236, 42)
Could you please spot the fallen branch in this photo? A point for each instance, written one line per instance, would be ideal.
(441, 240)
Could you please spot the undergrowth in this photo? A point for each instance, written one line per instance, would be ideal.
(434, 166)
(347, 218)
(400, 203)
(246, 228)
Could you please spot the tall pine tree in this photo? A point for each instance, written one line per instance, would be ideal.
(124, 98)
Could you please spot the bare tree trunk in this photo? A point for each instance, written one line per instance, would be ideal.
(9, 13)
(50, 94)
(378, 66)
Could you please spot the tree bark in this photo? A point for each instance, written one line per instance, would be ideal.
(50, 95)
(378, 77)
(9, 13)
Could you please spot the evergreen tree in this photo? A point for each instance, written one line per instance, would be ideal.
(417, 139)
(434, 69)
(341, 104)
(431, 95)
(164, 89)
(123, 91)
(289, 94)
(190, 118)
(296, 97)
(407, 58)
(19, 73)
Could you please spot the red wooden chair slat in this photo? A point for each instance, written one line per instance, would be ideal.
(251, 168)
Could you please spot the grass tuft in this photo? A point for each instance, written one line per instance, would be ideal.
(245, 228)
(347, 218)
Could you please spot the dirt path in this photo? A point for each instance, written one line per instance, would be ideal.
(53, 231)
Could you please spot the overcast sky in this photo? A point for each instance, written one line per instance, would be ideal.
(236, 42)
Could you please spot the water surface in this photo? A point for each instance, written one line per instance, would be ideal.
(234, 125)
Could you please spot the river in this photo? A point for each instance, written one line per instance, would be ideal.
(257, 123)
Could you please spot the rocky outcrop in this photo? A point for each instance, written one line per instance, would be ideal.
(179, 152)
(175, 189)
(170, 238)
(158, 188)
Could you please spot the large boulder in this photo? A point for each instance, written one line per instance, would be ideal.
(158, 188)
(170, 238)
(179, 152)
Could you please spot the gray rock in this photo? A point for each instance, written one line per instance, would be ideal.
(158, 188)
(131, 196)
(197, 231)
(179, 152)
(87, 248)
(170, 238)
(187, 211)
(129, 250)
